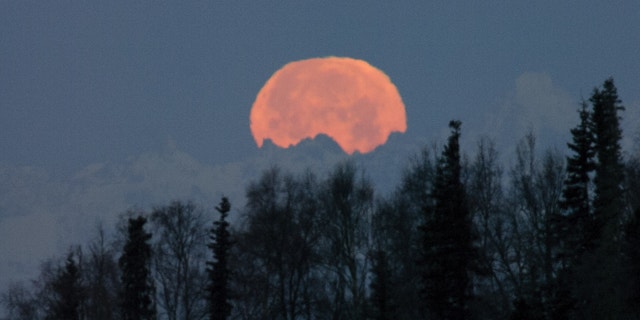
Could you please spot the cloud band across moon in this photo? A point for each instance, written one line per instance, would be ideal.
(346, 99)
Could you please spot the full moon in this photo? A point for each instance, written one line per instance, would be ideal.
(347, 99)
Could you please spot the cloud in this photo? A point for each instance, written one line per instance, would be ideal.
(535, 104)
(539, 102)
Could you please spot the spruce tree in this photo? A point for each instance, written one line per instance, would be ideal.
(600, 276)
(137, 285)
(632, 264)
(576, 200)
(447, 238)
(67, 292)
(573, 230)
(218, 270)
(608, 204)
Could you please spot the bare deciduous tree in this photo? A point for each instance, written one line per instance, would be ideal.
(347, 204)
(179, 260)
(276, 260)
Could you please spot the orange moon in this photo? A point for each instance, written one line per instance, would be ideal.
(347, 99)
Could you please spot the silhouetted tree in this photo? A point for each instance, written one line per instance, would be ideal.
(381, 300)
(346, 211)
(67, 292)
(395, 231)
(136, 298)
(536, 189)
(487, 204)
(573, 228)
(632, 237)
(608, 205)
(179, 260)
(101, 278)
(523, 311)
(277, 272)
(19, 302)
(632, 265)
(448, 249)
(549, 183)
(601, 295)
(576, 201)
(632, 181)
(67, 289)
(218, 269)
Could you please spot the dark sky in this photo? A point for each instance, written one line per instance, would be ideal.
(109, 105)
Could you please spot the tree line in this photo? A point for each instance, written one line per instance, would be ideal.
(550, 237)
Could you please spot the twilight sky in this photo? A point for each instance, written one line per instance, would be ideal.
(105, 106)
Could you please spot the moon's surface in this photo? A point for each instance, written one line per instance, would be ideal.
(347, 99)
